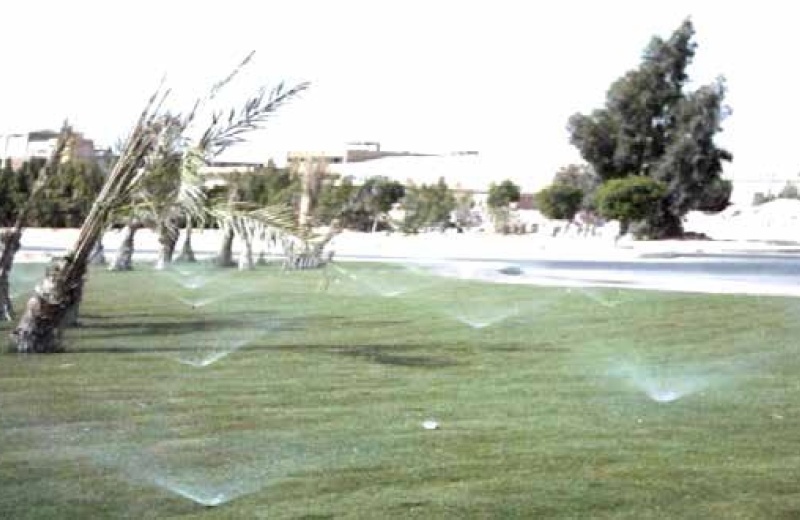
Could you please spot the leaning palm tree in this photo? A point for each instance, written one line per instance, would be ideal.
(10, 238)
(149, 147)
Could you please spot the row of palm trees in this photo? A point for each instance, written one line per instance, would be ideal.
(154, 182)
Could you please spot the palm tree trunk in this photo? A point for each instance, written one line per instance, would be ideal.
(167, 238)
(10, 241)
(6, 306)
(187, 253)
(73, 309)
(53, 306)
(246, 255)
(124, 259)
(98, 254)
(225, 256)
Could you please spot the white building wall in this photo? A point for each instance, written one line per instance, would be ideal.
(13, 145)
(41, 149)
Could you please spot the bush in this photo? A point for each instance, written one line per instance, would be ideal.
(760, 198)
(559, 201)
(501, 195)
(630, 199)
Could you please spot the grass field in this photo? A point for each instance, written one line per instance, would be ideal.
(298, 395)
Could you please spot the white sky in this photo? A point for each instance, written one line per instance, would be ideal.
(498, 76)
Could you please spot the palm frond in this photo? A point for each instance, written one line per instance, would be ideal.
(126, 173)
(225, 131)
(252, 223)
(191, 197)
(157, 140)
(215, 89)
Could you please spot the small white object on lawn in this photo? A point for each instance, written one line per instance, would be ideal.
(430, 424)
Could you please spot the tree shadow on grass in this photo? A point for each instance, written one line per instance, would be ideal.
(384, 355)
(533, 348)
(381, 354)
(168, 328)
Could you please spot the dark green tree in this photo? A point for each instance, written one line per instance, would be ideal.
(631, 199)
(762, 198)
(336, 200)
(428, 205)
(376, 197)
(651, 126)
(501, 195)
(717, 196)
(22, 183)
(559, 201)
(8, 207)
(68, 196)
(789, 191)
(270, 185)
(580, 176)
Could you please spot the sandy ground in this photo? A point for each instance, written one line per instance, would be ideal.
(489, 252)
(40, 244)
(773, 228)
(769, 229)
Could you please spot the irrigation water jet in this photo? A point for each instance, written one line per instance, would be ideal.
(479, 313)
(206, 498)
(194, 279)
(597, 296)
(196, 303)
(387, 283)
(485, 320)
(664, 384)
(212, 471)
(206, 356)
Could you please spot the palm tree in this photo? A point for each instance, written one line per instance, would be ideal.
(123, 260)
(312, 172)
(249, 223)
(148, 149)
(187, 253)
(10, 238)
(171, 193)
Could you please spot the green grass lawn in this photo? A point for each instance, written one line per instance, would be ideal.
(298, 395)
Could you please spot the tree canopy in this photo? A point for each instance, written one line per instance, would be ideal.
(652, 126)
(428, 205)
(582, 177)
(64, 201)
(501, 195)
(559, 201)
(630, 199)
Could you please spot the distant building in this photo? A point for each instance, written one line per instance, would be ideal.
(466, 174)
(352, 152)
(21, 147)
(218, 173)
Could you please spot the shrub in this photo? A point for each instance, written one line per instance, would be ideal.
(630, 199)
(559, 201)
